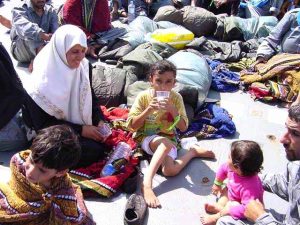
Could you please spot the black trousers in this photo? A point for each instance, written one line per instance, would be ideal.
(91, 151)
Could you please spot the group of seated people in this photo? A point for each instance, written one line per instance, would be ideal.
(34, 22)
(61, 108)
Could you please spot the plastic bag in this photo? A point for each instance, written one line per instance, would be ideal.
(176, 37)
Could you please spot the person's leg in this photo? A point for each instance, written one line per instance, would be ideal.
(160, 147)
(171, 167)
(215, 209)
(228, 220)
(219, 205)
(37, 50)
(21, 51)
(91, 151)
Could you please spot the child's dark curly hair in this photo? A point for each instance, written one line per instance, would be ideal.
(56, 147)
(161, 67)
(247, 156)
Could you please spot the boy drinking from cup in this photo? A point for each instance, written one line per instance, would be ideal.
(155, 120)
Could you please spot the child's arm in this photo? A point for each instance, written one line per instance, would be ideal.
(220, 177)
(176, 110)
(138, 120)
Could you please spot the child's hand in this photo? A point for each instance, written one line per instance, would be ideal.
(154, 105)
(167, 105)
(215, 190)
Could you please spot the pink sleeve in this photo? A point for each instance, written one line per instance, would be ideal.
(250, 191)
(222, 172)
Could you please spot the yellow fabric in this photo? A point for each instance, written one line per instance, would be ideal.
(284, 67)
(22, 202)
(160, 120)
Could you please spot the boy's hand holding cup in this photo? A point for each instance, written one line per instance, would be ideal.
(162, 98)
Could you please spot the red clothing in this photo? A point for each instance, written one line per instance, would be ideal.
(72, 14)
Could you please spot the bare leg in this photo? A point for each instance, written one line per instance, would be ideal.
(172, 167)
(160, 146)
(215, 208)
(37, 50)
(212, 219)
(218, 206)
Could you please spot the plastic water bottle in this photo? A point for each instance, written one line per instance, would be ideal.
(117, 160)
(131, 12)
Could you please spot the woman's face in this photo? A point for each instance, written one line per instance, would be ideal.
(75, 55)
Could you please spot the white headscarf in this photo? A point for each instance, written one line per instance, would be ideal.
(60, 91)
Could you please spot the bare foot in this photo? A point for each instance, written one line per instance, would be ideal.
(209, 219)
(30, 67)
(203, 153)
(211, 208)
(150, 198)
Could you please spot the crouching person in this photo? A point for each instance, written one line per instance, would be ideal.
(33, 24)
(40, 190)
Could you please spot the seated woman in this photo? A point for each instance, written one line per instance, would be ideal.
(12, 136)
(60, 92)
(92, 16)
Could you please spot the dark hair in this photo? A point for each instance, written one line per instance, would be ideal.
(161, 67)
(294, 113)
(56, 147)
(247, 156)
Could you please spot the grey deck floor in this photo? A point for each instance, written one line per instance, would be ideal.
(183, 197)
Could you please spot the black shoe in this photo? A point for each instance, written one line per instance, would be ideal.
(135, 210)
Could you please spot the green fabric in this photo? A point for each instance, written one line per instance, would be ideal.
(88, 12)
(243, 64)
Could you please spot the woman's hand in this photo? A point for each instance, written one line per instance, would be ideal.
(91, 132)
(104, 130)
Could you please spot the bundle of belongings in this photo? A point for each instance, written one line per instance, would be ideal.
(279, 78)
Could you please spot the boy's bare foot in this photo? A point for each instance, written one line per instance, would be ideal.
(203, 153)
(211, 208)
(30, 67)
(150, 198)
(209, 219)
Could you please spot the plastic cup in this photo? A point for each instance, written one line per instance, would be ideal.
(162, 95)
(105, 130)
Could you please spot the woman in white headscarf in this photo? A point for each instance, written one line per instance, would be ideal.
(60, 91)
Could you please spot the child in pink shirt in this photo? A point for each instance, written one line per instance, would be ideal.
(243, 165)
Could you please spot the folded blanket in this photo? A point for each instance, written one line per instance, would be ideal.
(284, 66)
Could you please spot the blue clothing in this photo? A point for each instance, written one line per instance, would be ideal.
(223, 80)
(212, 121)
